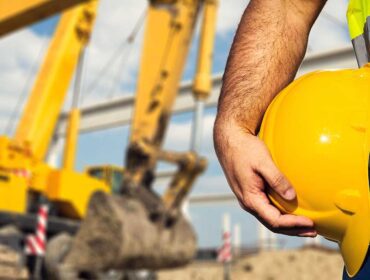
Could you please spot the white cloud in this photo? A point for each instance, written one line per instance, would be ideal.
(112, 27)
(211, 184)
(229, 14)
(179, 135)
(114, 24)
(19, 64)
(330, 29)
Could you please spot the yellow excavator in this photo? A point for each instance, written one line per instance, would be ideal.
(26, 179)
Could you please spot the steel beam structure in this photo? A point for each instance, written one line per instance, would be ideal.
(118, 112)
(212, 199)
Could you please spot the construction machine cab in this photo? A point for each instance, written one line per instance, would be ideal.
(109, 174)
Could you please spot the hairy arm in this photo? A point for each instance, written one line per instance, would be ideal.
(268, 48)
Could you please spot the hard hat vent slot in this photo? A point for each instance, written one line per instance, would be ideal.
(348, 200)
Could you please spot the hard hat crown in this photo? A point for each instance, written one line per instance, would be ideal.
(317, 130)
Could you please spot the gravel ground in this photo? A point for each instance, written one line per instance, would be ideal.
(300, 264)
(10, 265)
(10, 261)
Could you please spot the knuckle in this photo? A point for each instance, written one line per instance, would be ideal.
(260, 163)
(257, 164)
(277, 180)
(244, 203)
(272, 224)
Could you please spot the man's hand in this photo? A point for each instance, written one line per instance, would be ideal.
(267, 50)
(250, 170)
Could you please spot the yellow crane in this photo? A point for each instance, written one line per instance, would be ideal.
(24, 175)
(26, 151)
(17, 14)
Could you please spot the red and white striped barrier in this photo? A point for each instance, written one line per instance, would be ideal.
(224, 253)
(36, 243)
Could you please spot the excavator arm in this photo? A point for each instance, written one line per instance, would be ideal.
(168, 34)
(147, 231)
(166, 58)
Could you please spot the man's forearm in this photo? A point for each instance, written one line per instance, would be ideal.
(267, 50)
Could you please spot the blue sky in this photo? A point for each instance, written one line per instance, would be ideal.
(114, 22)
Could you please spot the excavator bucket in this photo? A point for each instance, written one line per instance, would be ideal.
(127, 232)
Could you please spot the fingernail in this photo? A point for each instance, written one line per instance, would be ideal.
(308, 234)
(290, 194)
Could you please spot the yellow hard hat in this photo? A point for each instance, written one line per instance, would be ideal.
(317, 130)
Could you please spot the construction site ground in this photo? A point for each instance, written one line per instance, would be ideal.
(298, 264)
(11, 265)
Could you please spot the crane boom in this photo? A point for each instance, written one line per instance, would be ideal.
(42, 110)
(20, 13)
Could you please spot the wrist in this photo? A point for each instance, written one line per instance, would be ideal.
(226, 123)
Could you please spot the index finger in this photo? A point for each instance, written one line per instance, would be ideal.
(275, 220)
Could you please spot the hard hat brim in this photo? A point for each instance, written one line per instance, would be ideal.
(355, 242)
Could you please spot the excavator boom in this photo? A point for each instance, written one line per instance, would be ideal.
(169, 30)
(168, 34)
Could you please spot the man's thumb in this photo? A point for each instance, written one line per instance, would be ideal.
(277, 180)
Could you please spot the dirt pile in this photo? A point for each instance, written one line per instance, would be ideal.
(10, 265)
(300, 264)
(138, 236)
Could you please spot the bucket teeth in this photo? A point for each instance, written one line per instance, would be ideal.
(119, 232)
